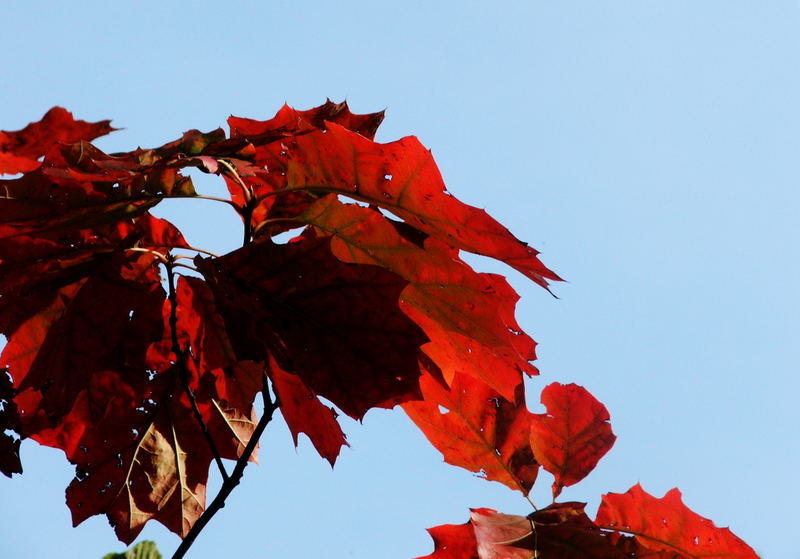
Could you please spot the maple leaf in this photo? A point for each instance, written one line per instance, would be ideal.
(480, 430)
(20, 150)
(572, 436)
(666, 527)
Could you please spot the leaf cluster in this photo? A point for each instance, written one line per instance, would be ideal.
(141, 356)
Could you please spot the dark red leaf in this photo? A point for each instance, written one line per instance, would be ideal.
(198, 316)
(572, 436)
(336, 325)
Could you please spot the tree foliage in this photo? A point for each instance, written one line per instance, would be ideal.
(141, 356)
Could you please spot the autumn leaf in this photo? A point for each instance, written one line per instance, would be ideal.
(292, 121)
(468, 317)
(453, 541)
(304, 413)
(401, 177)
(20, 150)
(666, 526)
(477, 429)
(336, 325)
(572, 436)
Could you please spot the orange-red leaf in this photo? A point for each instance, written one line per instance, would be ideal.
(453, 541)
(402, 178)
(480, 430)
(666, 527)
(572, 436)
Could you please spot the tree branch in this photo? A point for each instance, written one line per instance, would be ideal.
(230, 483)
(180, 355)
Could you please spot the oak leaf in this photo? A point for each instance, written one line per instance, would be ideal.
(475, 428)
(666, 527)
(572, 436)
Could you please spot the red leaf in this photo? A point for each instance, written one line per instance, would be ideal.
(198, 316)
(107, 325)
(666, 526)
(336, 325)
(140, 454)
(19, 150)
(402, 178)
(469, 317)
(154, 468)
(304, 413)
(573, 436)
(480, 431)
(292, 121)
(453, 541)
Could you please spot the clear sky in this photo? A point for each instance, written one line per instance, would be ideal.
(648, 149)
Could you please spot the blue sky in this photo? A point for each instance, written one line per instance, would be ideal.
(648, 149)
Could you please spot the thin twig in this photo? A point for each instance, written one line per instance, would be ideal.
(229, 484)
(183, 369)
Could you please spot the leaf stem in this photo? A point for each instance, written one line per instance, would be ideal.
(200, 250)
(164, 260)
(230, 483)
(528, 496)
(183, 369)
(246, 191)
